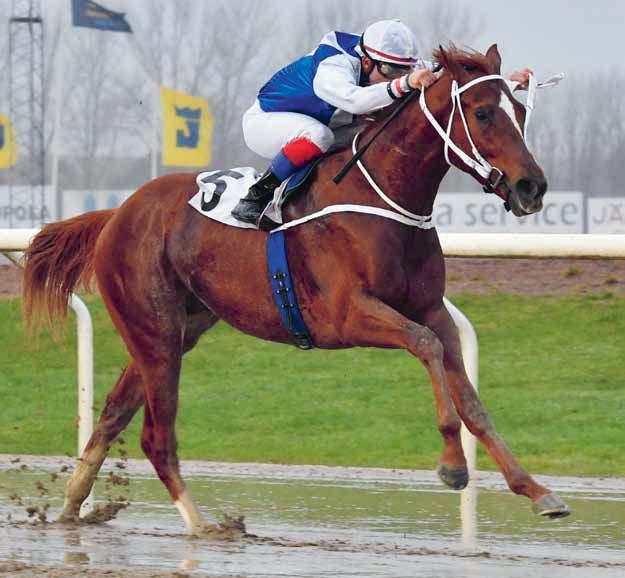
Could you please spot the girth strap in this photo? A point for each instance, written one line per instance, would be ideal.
(284, 292)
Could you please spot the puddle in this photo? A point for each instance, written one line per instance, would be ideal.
(371, 525)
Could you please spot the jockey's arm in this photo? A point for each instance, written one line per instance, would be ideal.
(335, 83)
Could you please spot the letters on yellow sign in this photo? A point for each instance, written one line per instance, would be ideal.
(187, 129)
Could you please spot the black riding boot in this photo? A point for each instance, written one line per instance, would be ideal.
(260, 193)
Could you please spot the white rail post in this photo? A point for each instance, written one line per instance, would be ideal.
(85, 382)
(470, 355)
(12, 242)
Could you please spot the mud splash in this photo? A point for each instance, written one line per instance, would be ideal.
(104, 513)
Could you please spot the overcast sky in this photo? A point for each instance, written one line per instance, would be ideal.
(555, 35)
(549, 35)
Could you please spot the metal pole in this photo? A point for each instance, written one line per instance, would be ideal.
(85, 382)
(470, 355)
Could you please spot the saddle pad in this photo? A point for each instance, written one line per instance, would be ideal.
(220, 191)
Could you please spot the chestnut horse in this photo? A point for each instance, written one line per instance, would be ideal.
(167, 274)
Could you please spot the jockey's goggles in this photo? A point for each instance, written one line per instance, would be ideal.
(388, 70)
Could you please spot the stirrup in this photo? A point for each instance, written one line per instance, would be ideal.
(248, 211)
(263, 189)
(264, 223)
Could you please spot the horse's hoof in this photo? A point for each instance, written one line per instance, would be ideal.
(104, 513)
(551, 506)
(231, 529)
(68, 518)
(456, 478)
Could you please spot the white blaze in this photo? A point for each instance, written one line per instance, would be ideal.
(506, 104)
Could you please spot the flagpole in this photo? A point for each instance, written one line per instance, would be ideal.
(59, 91)
(155, 121)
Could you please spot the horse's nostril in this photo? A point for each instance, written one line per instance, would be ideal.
(531, 189)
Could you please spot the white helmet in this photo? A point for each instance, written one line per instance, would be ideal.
(390, 41)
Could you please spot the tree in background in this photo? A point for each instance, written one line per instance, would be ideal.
(211, 50)
(578, 133)
(94, 114)
(225, 51)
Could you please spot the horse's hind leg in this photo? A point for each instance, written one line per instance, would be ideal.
(121, 405)
(158, 438)
(157, 326)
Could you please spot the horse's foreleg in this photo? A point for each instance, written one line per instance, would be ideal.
(374, 324)
(121, 405)
(480, 424)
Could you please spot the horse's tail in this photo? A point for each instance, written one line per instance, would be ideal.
(59, 258)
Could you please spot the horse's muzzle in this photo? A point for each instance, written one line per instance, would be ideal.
(526, 196)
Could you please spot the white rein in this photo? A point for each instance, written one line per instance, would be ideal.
(479, 164)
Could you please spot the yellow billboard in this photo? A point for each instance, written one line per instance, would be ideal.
(8, 147)
(187, 129)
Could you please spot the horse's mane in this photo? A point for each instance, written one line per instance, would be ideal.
(468, 58)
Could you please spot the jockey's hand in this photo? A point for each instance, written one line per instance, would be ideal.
(522, 77)
(421, 78)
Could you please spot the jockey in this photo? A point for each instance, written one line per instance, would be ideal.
(292, 119)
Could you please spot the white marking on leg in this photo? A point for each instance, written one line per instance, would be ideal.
(189, 512)
(506, 104)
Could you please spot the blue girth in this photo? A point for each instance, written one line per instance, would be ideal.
(283, 291)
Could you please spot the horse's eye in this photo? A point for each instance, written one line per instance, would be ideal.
(482, 115)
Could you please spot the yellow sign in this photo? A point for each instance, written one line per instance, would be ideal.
(8, 147)
(187, 129)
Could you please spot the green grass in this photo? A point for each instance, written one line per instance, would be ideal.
(552, 373)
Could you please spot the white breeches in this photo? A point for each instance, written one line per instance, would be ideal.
(267, 132)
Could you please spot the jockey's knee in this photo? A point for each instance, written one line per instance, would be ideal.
(309, 145)
(320, 135)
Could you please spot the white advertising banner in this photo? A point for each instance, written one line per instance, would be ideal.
(606, 215)
(78, 202)
(563, 212)
(24, 210)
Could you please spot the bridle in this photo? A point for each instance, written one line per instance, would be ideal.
(494, 181)
(493, 177)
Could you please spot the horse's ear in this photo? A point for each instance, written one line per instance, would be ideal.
(448, 63)
(494, 59)
(442, 56)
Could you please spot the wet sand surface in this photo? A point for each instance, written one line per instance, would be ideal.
(308, 521)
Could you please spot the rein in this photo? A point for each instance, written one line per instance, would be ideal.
(400, 214)
(494, 177)
(357, 154)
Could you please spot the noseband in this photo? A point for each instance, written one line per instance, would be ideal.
(494, 181)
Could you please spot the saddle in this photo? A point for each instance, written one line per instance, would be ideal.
(301, 181)
(220, 190)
